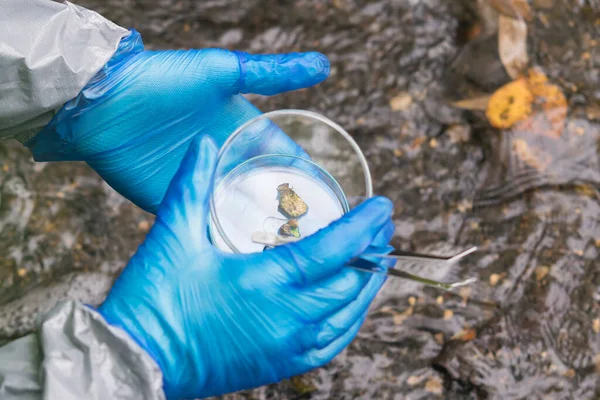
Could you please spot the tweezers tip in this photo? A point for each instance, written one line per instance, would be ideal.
(463, 254)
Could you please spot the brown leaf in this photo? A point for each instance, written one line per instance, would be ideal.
(474, 104)
(434, 385)
(494, 279)
(570, 373)
(398, 318)
(541, 272)
(417, 142)
(465, 335)
(413, 380)
(459, 133)
(401, 102)
(448, 314)
(517, 9)
(512, 45)
(593, 111)
(439, 338)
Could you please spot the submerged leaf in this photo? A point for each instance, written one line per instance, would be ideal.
(531, 157)
(465, 335)
(517, 9)
(512, 45)
(530, 104)
(510, 104)
(401, 102)
(549, 107)
(474, 104)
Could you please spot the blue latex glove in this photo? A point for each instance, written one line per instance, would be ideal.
(217, 322)
(135, 119)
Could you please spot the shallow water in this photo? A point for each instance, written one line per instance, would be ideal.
(526, 330)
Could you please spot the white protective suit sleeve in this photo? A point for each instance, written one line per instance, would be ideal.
(74, 354)
(48, 53)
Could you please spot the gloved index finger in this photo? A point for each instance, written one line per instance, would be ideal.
(328, 250)
(269, 74)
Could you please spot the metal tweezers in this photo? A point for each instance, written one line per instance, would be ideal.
(361, 263)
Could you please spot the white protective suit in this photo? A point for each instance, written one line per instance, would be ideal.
(48, 52)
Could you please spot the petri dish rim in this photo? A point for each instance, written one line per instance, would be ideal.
(289, 112)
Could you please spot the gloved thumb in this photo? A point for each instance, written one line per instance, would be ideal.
(184, 208)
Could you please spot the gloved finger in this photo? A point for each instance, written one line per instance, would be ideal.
(319, 357)
(184, 208)
(385, 234)
(269, 74)
(265, 74)
(326, 252)
(380, 245)
(310, 305)
(323, 333)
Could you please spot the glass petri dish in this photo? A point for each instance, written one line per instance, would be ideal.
(272, 153)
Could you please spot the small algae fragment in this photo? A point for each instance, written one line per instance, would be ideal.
(302, 384)
(290, 228)
(290, 204)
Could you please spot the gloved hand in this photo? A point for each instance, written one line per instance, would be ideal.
(135, 119)
(217, 322)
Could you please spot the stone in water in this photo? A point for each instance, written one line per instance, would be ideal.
(290, 204)
(290, 228)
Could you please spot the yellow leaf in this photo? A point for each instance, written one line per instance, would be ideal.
(510, 104)
(531, 104)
